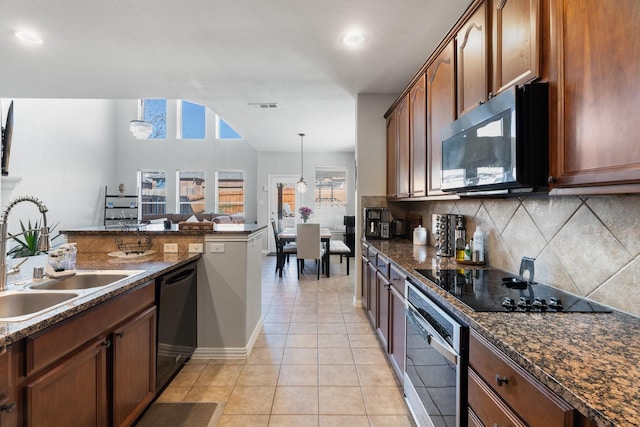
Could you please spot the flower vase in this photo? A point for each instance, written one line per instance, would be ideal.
(305, 220)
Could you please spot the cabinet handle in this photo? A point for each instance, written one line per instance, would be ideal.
(119, 334)
(501, 380)
(106, 343)
(8, 407)
(551, 179)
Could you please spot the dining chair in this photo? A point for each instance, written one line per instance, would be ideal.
(309, 246)
(283, 250)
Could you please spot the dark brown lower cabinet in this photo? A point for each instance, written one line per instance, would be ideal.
(73, 392)
(502, 393)
(94, 369)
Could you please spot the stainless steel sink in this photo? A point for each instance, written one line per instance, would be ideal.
(80, 281)
(20, 305)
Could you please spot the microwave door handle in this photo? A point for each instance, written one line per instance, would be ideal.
(441, 348)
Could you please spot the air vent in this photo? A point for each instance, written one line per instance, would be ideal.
(263, 105)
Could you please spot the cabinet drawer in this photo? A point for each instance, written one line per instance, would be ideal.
(383, 265)
(529, 398)
(487, 406)
(396, 278)
(53, 343)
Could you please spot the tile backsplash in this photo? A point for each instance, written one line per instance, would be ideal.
(586, 245)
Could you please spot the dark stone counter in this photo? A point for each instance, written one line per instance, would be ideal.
(152, 266)
(591, 360)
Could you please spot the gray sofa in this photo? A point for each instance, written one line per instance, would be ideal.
(217, 218)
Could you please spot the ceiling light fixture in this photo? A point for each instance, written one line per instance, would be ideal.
(139, 128)
(27, 37)
(301, 185)
(353, 38)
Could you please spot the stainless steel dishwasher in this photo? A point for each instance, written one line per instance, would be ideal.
(177, 339)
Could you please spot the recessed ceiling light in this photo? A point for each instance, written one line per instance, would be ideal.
(28, 37)
(353, 38)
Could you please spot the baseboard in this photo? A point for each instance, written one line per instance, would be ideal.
(357, 302)
(229, 352)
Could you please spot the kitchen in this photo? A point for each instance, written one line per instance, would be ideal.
(567, 233)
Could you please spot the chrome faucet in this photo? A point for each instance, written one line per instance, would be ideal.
(44, 244)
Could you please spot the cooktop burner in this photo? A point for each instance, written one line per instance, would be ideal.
(496, 290)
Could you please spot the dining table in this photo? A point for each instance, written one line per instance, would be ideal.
(289, 235)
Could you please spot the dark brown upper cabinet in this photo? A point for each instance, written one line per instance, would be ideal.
(441, 110)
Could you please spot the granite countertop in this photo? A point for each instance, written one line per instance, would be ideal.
(151, 266)
(158, 229)
(591, 360)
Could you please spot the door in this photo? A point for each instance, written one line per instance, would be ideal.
(134, 367)
(73, 392)
(290, 201)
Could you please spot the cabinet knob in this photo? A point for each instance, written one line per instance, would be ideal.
(8, 407)
(551, 179)
(119, 334)
(501, 380)
(106, 343)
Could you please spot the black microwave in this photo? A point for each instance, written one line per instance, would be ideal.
(501, 146)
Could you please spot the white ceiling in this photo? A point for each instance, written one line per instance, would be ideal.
(226, 54)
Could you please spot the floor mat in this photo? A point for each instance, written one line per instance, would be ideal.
(180, 414)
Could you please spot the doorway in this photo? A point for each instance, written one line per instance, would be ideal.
(283, 202)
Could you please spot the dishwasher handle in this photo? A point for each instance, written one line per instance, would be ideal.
(180, 277)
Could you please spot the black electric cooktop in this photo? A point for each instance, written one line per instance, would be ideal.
(496, 290)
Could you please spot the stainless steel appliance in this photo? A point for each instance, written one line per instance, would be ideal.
(500, 146)
(496, 290)
(443, 227)
(377, 223)
(177, 339)
(435, 379)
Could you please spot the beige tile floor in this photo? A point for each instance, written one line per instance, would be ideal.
(317, 361)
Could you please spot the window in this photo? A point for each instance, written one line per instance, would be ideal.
(154, 111)
(224, 131)
(230, 192)
(191, 195)
(153, 191)
(192, 118)
(330, 195)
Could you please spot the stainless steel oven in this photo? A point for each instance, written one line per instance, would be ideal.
(435, 379)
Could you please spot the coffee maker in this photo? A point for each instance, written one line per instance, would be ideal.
(377, 223)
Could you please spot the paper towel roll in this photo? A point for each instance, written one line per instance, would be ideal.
(420, 253)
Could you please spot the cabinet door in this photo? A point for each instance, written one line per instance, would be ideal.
(516, 55)
(418, 137)
(598, 95)
(134, 367)
(372, 307)
(441, 110)
(73, 392)
(397, 332)
(364, 278)
(382, 284)
(403, 148)
(392, 186)
(472, 70)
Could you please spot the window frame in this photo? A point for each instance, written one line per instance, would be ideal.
(179, 180)
(141, 175)
(217, 191)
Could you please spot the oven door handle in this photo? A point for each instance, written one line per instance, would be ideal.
(431, 338)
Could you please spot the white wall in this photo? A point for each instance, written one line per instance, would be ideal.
(174, 154)
(288, 163)
(63, 151)
(371, 159)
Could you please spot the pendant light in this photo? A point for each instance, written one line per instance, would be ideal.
(139, 128)
(301, 186)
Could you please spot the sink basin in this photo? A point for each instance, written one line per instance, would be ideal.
(19, 305)
(80, 281)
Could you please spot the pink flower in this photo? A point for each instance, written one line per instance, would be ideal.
(305, 212)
